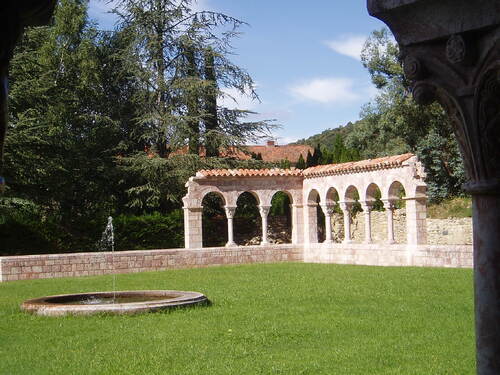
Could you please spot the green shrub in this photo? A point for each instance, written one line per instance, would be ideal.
(155, 231)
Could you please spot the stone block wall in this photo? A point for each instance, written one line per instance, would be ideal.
(457, 256)
(451, 231)
(91, 264)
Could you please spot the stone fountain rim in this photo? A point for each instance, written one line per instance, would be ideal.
(45, 306)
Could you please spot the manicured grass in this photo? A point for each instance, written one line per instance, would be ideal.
(265, 319)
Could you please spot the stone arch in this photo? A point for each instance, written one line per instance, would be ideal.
(280, 216)
(313, 197)
(255, 194)
(247, 219)
(351, 194)
(314, 217)
(214, 221)
(215, 192)
(372, 192)
(394, 191)
(332, 196)
(396, 206)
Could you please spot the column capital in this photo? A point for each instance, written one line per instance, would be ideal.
(345, 206)
(456, 65)
(388, 204)
(193, 209)
(367, 206)
(230, 210)
(264, 210)
(328, 209)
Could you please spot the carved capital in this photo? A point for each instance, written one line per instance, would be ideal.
(367, 206)
(264, 210)
(468, 88)
(345, 206)
(328, 209)
(388, 204)
(414, 68)
(230, 211)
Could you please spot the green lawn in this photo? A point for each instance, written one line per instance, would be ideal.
(265, 319)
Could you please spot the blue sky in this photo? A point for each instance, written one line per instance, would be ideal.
(303, 57)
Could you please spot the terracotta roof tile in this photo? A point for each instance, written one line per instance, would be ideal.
(357, 166)
(320, 170)
(248, 172)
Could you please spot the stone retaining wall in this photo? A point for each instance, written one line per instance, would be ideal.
(90, 264)
(451, 231)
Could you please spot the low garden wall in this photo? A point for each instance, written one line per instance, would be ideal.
(456, 256)
(101, 263)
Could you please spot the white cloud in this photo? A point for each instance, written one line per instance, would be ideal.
(326, 90)
(234, 99)
(348, 45)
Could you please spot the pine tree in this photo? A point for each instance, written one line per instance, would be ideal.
(309, 160)
(301, 164)
(181, 59)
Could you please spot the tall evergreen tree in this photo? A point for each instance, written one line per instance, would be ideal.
(301, 164)
(167, 35)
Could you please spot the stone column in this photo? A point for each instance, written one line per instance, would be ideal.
(367, 209)
(328, 210)
(389, 209)
(346, 209)
(416, 221)
(311, 223)
(297, 223)
(264, 211)
(230, 210)
(193, 236)
(458, 65)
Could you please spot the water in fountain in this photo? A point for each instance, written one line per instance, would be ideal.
(106, 243)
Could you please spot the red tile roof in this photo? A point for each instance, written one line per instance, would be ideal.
(357, 166)
(270, 153)
(320, 170)
(248, 172)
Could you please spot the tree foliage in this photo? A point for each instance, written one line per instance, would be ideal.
(393, 123)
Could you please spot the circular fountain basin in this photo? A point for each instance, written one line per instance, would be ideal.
(123, 302)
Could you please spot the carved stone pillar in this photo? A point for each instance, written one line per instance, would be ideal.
(389, 209)
(451, 54)
(264, 212)
(230, 210)
(346, 209)
(367, 210)
(328, 210)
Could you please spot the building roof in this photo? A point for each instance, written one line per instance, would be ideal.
(357, 166)
(270, 152)
(320, 170)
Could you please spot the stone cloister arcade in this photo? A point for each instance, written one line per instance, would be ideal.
(329, 186)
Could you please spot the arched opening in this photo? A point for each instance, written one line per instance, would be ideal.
(316, 217)
(396, 196)
(336, 221)
(280, 218)
(214, 222)
(374, 216)
(247, 220)
(351, 208)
